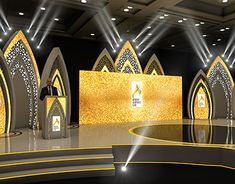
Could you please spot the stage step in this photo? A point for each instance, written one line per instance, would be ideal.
(86, 162)
(58, 173)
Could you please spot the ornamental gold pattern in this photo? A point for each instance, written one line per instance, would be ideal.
(153, 66)
(50, 101)
(58, 82)
(128, 55)
(2, 112)
(104, 63)
(106, 98)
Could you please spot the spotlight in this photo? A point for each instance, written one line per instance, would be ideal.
(150, 34)
(92, 34)
(114, 51)
(113, 19)
(1, 40)
(84, 1)
(211, 55)
(9, 28)
(133, 41)
(56, 19)
(197, 25)
(218, 40)
(28, 31)
(32, 39)
(202, 23)
(5, 33)
(231, 66)
(180, 21)
(43, 8)
(126, 10)
(140, 54)
(137, 47)
(207, 60)
(204, 35)
(213, 44)
(117, 45)
(166, 15)
(172, 45)
(185, 19)
(121, 40)
(222, 30)
(123, 168)
(227, 60)
(205, 65)
(21, 13)
(224, 1)
(149, 27)
(223, 55)
(38, 47)
(161, 17)
(227, 28)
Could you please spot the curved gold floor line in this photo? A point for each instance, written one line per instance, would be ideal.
(59, 160)
(56, 172)
(224, 146)
(180, 163)
(65, 149)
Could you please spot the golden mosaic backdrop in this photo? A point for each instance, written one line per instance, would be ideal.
(106, 98)
(2, 112)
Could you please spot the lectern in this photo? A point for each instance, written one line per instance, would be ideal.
(55, 121)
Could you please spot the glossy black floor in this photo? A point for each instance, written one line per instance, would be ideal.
(160, 173)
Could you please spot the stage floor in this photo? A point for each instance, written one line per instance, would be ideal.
(106, 135)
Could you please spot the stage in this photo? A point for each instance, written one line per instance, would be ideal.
(101, 150)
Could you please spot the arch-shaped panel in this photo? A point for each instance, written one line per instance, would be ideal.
(154, 66)
(55, 68)
(127, 60)
(222, 85)
(104, 63)
(26, 79)
(200, 98)
(7, 103)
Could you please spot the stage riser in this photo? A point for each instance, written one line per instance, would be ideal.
(62, 176)
(28, 155)
(48, 164)
(176, 154)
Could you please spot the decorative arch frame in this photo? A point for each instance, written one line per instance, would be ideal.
(55, 68)
(21, 62)
(7, 98)
(127, 60)
(104, 62)
(201, 87)
(220, 79)
(154, 66)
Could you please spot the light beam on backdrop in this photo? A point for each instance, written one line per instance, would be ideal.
(41, 22)
(105, 24)
(100, 25)
(108, 17)
(2, 27)
(231, 40)
(231, 52)
(46, 32)
(149, 36)
(147, 27)
(195, 47)
(155, 38)
(4, 18)
(35, 17)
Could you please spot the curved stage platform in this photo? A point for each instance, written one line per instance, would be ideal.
(101, 150)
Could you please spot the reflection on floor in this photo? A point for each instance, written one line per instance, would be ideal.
(202, 131)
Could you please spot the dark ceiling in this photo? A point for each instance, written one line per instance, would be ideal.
(78, 20)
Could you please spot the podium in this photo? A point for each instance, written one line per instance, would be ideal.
(55, 121)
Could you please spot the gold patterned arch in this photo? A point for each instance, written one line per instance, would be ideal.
(220, 61)
(104, 63)
(21, 37)
(58, 82)
(201, 103)
(154, 66)
(127, 60)
(5, 106)
(222, 84)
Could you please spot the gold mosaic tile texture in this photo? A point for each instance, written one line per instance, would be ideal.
(106, 98)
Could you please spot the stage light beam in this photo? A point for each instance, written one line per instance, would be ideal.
(123, 168)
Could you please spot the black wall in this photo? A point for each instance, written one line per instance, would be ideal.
(82, 54)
